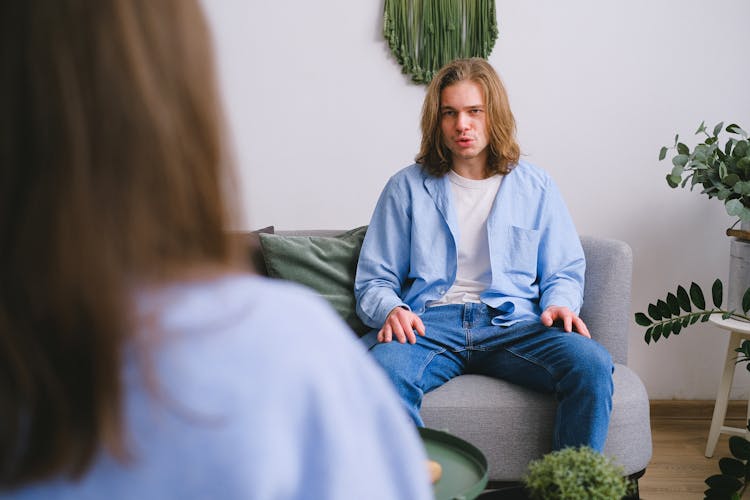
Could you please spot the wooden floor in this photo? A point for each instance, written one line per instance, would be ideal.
(679, 430)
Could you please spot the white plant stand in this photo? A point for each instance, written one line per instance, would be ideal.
(740, 331)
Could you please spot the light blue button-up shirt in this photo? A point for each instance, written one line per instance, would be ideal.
(409, 255)
(226, 395)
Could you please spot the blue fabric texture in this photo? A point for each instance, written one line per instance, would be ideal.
(241, 387)
(409, 254)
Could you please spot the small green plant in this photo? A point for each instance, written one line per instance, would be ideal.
(735, 472)
(576, 474)
(722, 171)
(681, 309)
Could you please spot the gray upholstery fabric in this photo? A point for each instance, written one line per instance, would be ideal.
(513, 425)
(606, 297)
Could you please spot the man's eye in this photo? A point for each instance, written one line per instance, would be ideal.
(449, 113)
(476, 111)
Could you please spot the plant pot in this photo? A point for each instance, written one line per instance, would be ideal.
(739, 270)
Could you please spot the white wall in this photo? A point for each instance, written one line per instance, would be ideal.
(321, 117)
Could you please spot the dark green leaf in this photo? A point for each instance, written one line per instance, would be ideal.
(673, 303)
(653, 311)
(711, 494)
(696, 294)
(701, 128)
(685, 321)
(717, 293)
(732, 467)
(732, 180)
(746, 301)
(642, 319)
(706, 317)
(676, 327)
(664, 309)
(656, 334)
(682, 149)
(718, 128)
(694, 318)
(683, 298)
(724, 483)
(740, 447)
(667, 330)
(744, 348)
(647, 337)
(662, 153)
(740, 149)
(726, 315)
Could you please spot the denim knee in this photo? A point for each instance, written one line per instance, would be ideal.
(594, 366)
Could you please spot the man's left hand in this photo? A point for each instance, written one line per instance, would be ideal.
(569, 319)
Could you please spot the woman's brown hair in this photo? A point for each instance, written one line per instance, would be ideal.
(503, 150)
(111, 175)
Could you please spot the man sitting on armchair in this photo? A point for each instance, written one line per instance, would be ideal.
(475, 251)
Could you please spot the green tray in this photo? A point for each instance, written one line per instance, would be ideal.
(464, 466)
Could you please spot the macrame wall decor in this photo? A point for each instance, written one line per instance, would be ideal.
(424, 35)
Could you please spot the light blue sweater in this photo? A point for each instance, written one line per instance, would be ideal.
(261, 393)
(409, 254)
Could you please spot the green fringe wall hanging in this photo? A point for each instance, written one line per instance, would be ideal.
(424, 35)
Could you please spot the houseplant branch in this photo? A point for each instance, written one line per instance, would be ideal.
(681, 309)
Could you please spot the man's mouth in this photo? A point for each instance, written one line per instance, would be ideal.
(464, 141)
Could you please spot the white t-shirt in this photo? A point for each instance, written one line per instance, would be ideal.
(472, 200)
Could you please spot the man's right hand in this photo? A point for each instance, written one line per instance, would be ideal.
(400, 324)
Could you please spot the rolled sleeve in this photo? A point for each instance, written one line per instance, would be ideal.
(384, 258)
(561, 263)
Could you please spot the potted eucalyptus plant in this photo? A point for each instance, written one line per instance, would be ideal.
(722, 170)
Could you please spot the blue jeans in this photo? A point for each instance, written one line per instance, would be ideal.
(460, 338)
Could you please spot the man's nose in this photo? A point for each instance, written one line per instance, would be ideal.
(462, 122)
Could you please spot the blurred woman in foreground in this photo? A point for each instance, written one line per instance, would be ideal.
(137, 360)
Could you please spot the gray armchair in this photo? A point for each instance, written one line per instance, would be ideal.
(513, 425)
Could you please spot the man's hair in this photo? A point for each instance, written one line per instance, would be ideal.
(111, 177)
(503, 150)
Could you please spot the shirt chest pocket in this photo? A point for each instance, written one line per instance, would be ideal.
(520, 250)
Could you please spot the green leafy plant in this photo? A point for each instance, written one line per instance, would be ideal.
(723, 171)
(576, 474)
(670, 316)
(681, 309)
(735, 472)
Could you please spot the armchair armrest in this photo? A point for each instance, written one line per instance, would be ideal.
(606, 297)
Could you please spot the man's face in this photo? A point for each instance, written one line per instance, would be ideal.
(463, 121)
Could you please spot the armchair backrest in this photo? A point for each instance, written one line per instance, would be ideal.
(606, 298)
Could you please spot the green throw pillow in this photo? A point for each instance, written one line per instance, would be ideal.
(327, 264)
